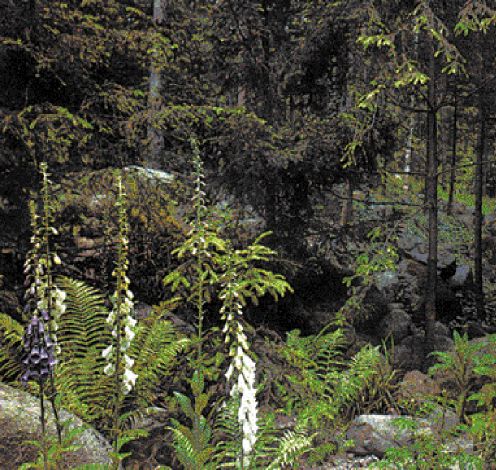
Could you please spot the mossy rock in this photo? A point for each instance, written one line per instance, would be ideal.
(19, 423)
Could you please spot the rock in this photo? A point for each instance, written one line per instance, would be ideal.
(443, 343)
(448, 305)
(395, 324)
(410, 242)
(19, 422)
(142, 310)
(387, 282)
(85, 243)
(418, 256)
(444, 259)
(440, 329)
(416, 386)
(410, 353)
(442, 420)
(374, 308)
(152, 450)
(349, 462)
(374, 434)
(462, 277)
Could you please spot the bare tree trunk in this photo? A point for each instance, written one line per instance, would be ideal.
(431, 203)
(155, 137)
(478, 279)
(407, 164)
(452, 182)
(445, 144)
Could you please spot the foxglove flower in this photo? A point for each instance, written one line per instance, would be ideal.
(126, 336)
(241, 371)
(39, 356)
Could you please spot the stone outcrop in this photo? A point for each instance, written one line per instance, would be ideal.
(19, 422)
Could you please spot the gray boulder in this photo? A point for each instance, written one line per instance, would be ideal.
(410, 353)
(19, 422)
(462, 277)
(374, 434)
(396, 324)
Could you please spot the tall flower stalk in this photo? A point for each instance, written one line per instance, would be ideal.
(120, 319)
(241, 372)
(205, 248)
(213, 265)
(39, 362)
(44, 300)
(241, 279)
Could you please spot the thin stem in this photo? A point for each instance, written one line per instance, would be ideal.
(117, 375)
(43, 428)
(49, 288)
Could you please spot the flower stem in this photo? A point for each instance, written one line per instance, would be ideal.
(43, 428)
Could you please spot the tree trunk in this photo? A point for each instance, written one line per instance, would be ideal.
(452, 182)
(431, 203)
(442, 147)
(478, 280)
(407, 164)
(155, 137)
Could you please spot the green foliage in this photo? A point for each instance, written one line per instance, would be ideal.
(193, 444)
(11, 334)
(482, 425)
(274, 449)
(154, 350)
(469, 360)
(459, 366)
(381, 256)
(53, 452)
(426, 451)
(83, 335)
(322, 385)
(379, 394)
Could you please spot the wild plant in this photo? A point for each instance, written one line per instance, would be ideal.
(44, 300)
(482, 424)
(86, 345)
(459, 366)
(212, 265)
(319, 386)
(427, 450)
(52, 453)
(379, 256)
(201, 253)
(39, 362)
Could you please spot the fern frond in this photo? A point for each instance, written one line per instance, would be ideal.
(292, 445)
(191, 453)
(153, 349)
(82, 337)
(228, 434)
(11, 333)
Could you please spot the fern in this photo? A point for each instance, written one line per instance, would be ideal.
(321, 385)
(291, 446)
(192, 444)
(273, 449)
(82, 336)
(227, 431)
(11, 333)
(154, 348)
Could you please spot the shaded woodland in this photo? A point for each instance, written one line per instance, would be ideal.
(283, 206)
